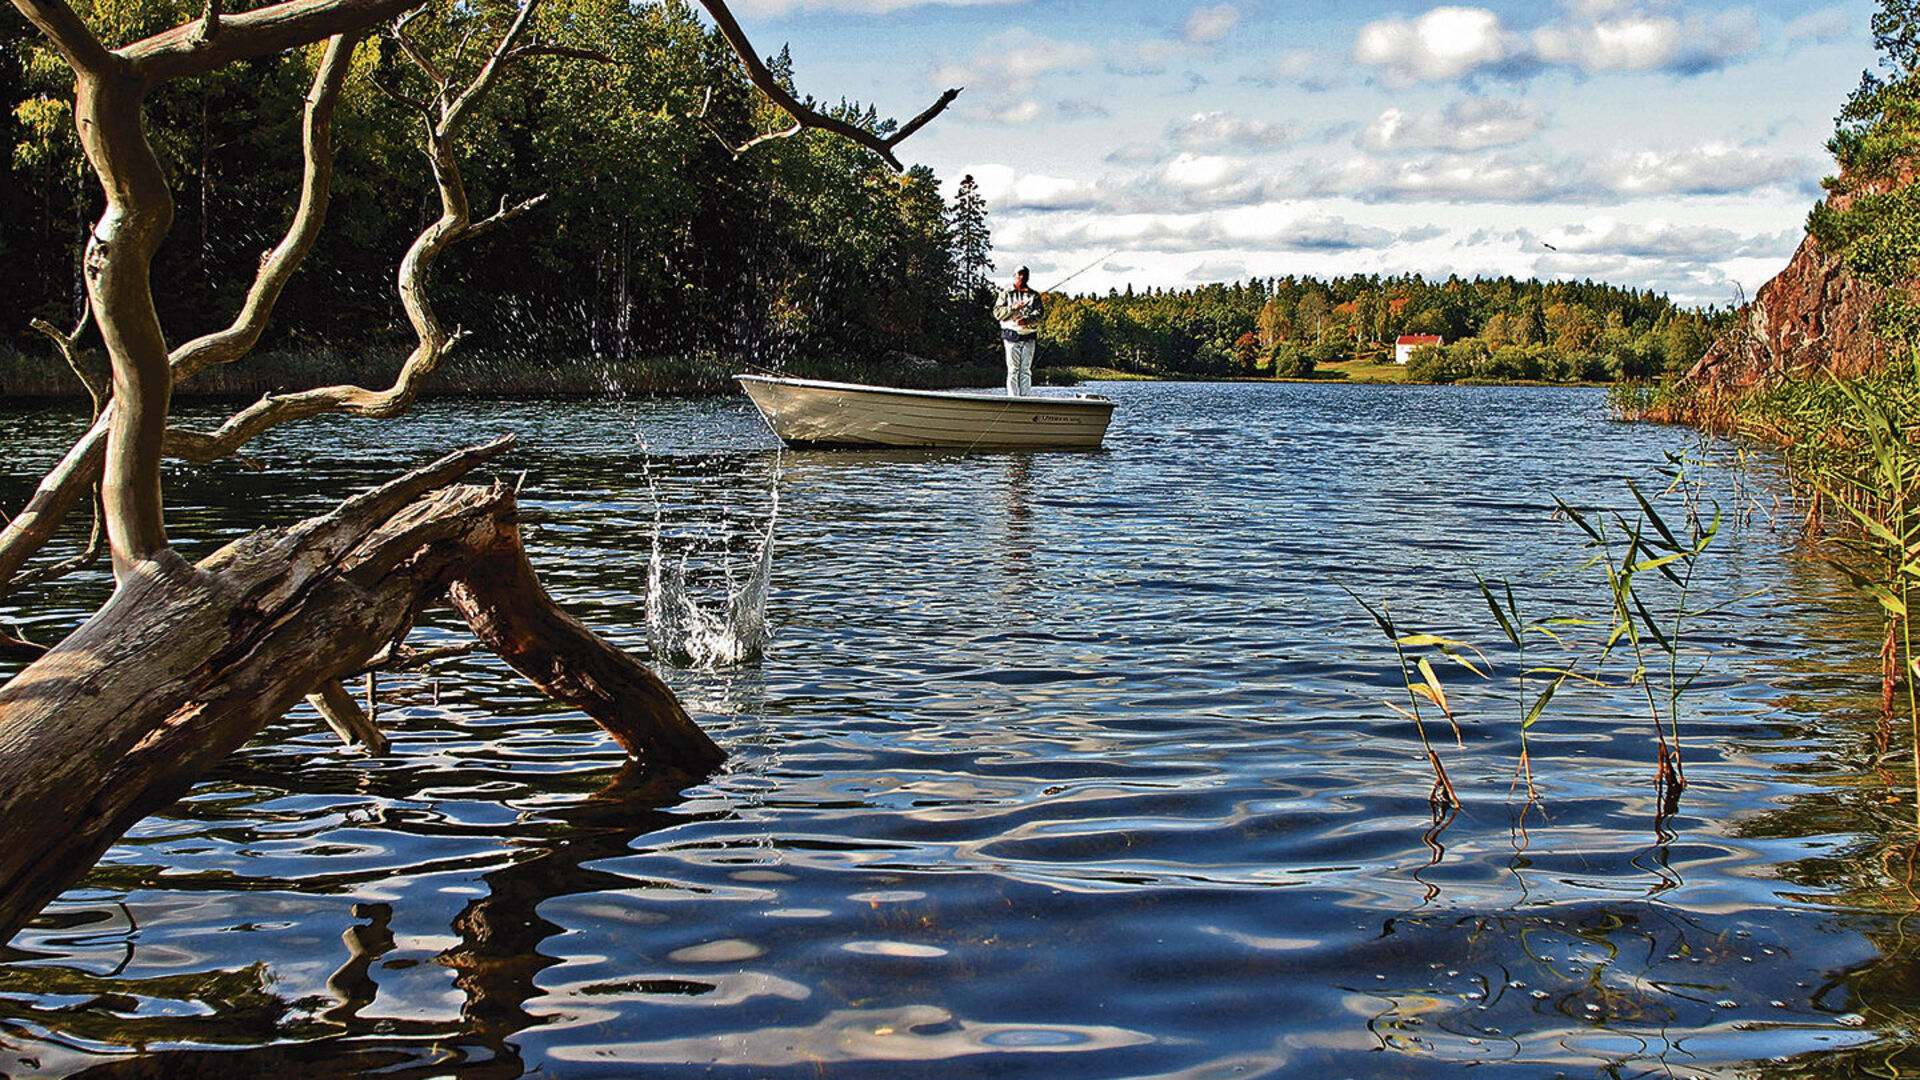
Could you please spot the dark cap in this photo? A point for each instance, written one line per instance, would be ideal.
(1021, 270)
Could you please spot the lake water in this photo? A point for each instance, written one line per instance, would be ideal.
(1073, 765)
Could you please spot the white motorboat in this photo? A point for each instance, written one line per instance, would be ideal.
(812, 413)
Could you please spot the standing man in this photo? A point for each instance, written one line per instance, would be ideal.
(1019, 312)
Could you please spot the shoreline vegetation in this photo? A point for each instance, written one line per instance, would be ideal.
(27, 378)
(1494, 331)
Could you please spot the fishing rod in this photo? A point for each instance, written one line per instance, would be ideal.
(1055, 287)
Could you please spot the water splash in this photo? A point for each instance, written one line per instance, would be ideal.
(731, 629)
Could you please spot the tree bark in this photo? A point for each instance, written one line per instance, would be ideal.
(185, 663)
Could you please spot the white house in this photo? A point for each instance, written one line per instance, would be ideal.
(1404, 345)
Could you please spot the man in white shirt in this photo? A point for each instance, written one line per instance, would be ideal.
(1019, 312)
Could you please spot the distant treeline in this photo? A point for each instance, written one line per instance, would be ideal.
(1493, 328)
(655, 240)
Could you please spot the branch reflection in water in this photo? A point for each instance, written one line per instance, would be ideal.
(495, 965)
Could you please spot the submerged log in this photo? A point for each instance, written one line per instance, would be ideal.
(185, 663)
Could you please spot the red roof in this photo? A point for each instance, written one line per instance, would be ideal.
(1418, 339)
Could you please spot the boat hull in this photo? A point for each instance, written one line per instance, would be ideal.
(813, 413)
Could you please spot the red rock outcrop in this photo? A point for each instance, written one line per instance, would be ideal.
(1813, 317)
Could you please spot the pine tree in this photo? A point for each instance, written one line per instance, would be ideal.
(972, 239)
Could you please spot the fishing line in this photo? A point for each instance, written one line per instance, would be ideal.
(1055, 287)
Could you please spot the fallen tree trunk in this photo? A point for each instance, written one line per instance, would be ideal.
(185, 663)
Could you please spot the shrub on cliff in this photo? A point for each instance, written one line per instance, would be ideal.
(1872, 215)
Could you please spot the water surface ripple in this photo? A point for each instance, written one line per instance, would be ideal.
(1073, 765)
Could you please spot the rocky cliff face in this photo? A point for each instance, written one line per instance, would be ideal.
(1812, 317)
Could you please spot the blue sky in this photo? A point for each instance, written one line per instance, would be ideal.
(1666, 144)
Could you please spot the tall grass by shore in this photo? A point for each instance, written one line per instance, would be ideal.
(1853, 451)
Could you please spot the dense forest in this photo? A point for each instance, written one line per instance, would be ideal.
(654, 240)
(1494, 329)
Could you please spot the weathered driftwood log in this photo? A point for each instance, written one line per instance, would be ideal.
(185, 663)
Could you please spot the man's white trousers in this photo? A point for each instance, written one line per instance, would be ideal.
(1020, 367)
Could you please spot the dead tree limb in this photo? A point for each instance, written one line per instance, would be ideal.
(455, 225)
(68, 342)
(185, 663)
(803, 115)
(12, 643)
(84, 558)
(209, 23)
(81, 468)
(346, 718)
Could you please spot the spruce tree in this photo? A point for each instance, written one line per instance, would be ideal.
(972, 239)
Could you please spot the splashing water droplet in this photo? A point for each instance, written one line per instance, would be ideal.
(733, 631)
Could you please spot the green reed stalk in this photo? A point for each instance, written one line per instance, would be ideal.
(1506, 614)
(1428, 687)
(1651, 547)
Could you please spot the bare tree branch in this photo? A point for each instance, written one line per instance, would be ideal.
(411, 103)
(398, 657)
(262, 31)
(771, 136)
(466, 39)
(569, 52)
(209, 24)
(68, 342)
(805, 117)
(13, 644)
(88, 556)
(69, 34)
(482, 84)
(52, 500)
(922, 120)
(433, 342)
(419, 56)
(255, 32)
(280, 263)
(501, 217)
(81, 468)
(110, 92)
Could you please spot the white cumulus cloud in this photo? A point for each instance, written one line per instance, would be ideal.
(1006, 188)
(1214, 128)
(1015, 61)
(1199, 171)
(1264, 228)
(1467, 124)
(1709, 169)
(1444, 44)
(1648, 43)
(1022, 112)
(1453, 43)
(1662, 239)
(1211, 23)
